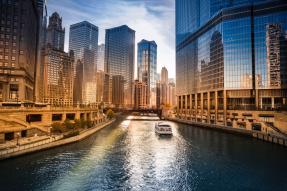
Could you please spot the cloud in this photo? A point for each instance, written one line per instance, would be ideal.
(152, 20)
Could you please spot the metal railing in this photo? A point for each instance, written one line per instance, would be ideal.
(30, 145)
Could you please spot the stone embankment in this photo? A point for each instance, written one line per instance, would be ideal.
(251, 133)
(51, 142)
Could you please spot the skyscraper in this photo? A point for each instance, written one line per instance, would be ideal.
(140, 97)
(119, 57)
(56, 67)
(55, 32)
(164, 86)
(101, 57)
(230, 59)
(42, 12)
(19, 31)
(147, 68)
(58, 77)
(84, 43)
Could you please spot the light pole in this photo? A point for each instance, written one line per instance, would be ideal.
(18, 136)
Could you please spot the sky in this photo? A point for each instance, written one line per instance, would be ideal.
(151, 19)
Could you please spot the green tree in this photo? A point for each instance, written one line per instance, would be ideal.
(83, 123)
(57, 127)
(110, 114)
(68, 124)
(77, 124)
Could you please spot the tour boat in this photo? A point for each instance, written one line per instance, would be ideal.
(163, 129)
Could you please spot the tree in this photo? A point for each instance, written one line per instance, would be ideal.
(57, 127)
(68, 124)
(110, 114)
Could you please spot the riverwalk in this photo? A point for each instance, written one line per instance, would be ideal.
(50, 142)
(251, 133)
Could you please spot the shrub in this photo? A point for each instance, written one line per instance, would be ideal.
(57, 127)
(72, 134)
(89, 123)
(110, 114)
(68, 124)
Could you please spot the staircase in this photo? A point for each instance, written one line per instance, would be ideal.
(272, 126)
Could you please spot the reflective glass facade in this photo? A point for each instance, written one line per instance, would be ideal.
(84, 43)
(230, 55)
(147, 68)
(119, 57)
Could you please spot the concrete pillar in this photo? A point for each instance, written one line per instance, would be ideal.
(216, 105)
(208, 107)
(272, 102)
(64, 116)
(195, 96)
(201, 103)
(224, 107)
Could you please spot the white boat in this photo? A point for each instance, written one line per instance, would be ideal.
(163, 129)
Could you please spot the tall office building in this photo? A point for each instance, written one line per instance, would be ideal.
(119, 58)
(55, 32)
(19, 31)
(58, 77)
(147, 68)
(140, 91)
(171, 97)
(42, 12)
(231, 60)
(118, 90)
(101, 57)
(164, 75)
(84, 43)
(164, 86)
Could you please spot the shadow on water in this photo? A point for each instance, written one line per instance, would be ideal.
(128, 155)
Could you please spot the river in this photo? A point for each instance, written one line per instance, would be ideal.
(128, 155)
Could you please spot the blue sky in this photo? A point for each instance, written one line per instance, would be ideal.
(151, 19)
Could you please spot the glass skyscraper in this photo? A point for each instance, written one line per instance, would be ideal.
(119, 58)
(84, 42)
(147, 68)
(231, 60)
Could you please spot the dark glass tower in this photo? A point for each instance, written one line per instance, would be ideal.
(231, 59)
(19, 31)
(84, 43)
(119, 58)
(147, 68)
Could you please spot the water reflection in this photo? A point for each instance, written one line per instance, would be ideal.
(130, 156)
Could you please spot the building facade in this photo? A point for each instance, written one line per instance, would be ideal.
(55, 32)
(147, 68)
(84, 43)
(19, 31)
(58, 77)
(101, 58)
(119, 58)
(118, 90)
(140, 97)
(230, 60)
(42, 13)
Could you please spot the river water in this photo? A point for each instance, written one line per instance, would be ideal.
(128, 155)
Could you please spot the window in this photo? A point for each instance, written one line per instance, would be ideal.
(14, 51)
(13, 64)
(6, 57)
(21, 52)
(1, 63)
(13, 58)
(1, 56)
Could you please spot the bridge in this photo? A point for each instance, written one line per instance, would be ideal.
(140, 111)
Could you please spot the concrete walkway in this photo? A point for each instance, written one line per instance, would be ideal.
(50, 142)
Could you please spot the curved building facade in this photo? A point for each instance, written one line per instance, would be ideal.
(231, 61)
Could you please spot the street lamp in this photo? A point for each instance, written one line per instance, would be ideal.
(18, 136)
